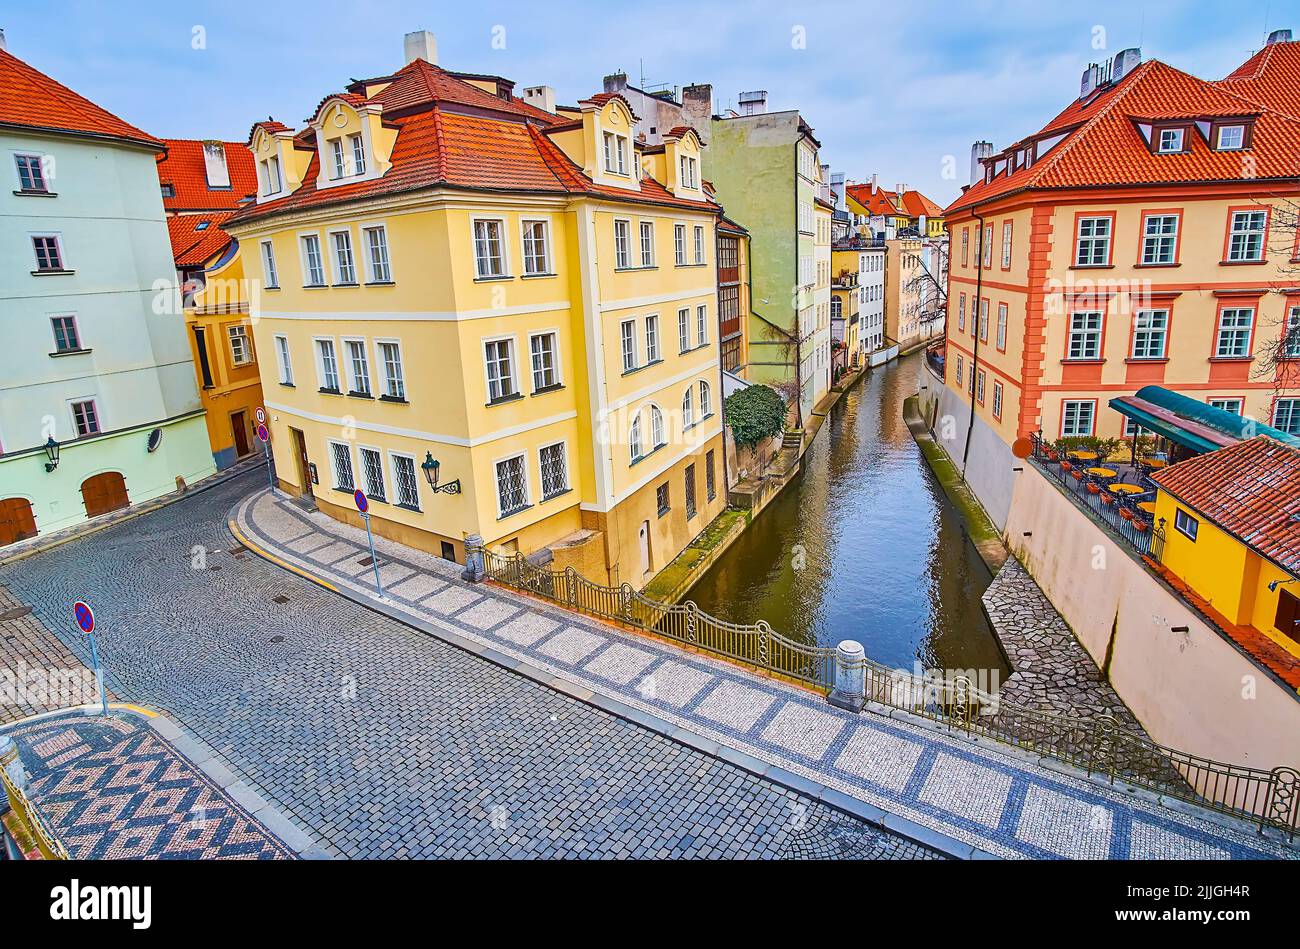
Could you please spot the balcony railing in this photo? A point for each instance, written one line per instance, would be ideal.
(1119, 510)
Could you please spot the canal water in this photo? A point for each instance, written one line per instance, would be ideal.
(863, 545)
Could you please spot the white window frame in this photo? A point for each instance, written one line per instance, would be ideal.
(546, 268)
(627, 347)
(623, 256)
(1222, 403)
(321, 376)
(684, 329)
(563, 445)
(653, 342)
(1142, 348)
(349, 370)
(1241, 140)
(699, 244)
(706, 400)
(1154, 243)
(304, 240)
(1087, 336)
(283, 359)
(645, 228)
(1185, 524)
(1065, 414)
(1001, 331)
(339, 154)
(512, 356)
(269, 272)
(1248, 236)
(1093, 240)
(525, 477)
(500, 222)
(358, 143)
(1176, 144)
(372, 272)
(1291, 424)
(361, 469)
(1291, 334)
(336, 258)
(382, 363)
(239, 331)
(554, 334)
(334, 467)
(679, 245)
(1007, 230)
(701, 324)
(1222, 328)
(397, 500)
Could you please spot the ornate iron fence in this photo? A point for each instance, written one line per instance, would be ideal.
(1097, 746)
(47, 841)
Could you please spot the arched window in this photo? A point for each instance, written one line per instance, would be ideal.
(706, 400)
(634, 438)
(657, 427)
(688, 409)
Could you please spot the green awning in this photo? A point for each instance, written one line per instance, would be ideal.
(1195, 425)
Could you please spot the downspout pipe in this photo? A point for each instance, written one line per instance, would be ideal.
(975, 350)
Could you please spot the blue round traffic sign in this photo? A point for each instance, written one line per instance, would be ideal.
(85, 618)
(263, 434)
(363, 503)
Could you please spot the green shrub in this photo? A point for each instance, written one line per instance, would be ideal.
(754, 413)
(1104, 447)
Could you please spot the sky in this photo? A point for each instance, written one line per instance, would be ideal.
(899, 90)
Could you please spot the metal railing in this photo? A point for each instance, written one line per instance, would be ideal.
(48, 843)
(1119, 512)
(1098, 746)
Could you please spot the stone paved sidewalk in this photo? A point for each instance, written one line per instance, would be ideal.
(1051, 671)
(991, 802)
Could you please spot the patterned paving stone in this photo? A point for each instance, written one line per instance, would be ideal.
(673, 683)
(450, 600)
(1149, 842)
(388, 742)
(572, 645)
(967, 789)
(620, 663)
(487, 614)
(1065, 826)
(803, 730)
(527, 629)
(734, 705)
(334, 553)
(419, 586)
(880, 757)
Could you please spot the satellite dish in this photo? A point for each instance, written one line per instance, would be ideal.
(155, 439)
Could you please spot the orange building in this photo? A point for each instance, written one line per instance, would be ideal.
(203, 183)
(1140, 237)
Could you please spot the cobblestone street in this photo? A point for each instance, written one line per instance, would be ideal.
(386, 742)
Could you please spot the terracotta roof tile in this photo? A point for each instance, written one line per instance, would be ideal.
(31, 99)
(1102, 144)
(183, 168)
(878, 202)
(1271, 77)
(197, 238)
(1251, 490)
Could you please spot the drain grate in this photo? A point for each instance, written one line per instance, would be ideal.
(277, 639)
(366, 561)
(280, 599)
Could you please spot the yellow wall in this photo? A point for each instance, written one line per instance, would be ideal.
(1229, 575)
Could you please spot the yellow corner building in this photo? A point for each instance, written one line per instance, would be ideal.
(518, 292)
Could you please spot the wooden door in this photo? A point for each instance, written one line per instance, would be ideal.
(304, 465)
(104, 492)
(17, 522)
(239, 428)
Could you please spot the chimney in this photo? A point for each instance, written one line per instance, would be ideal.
(616, 82)
(697, 107)
(1125, 61)
(753, 103)
(420, 45)
(214, 165)
(1277, 36)
(5, 45)
(1090, 80)
(899, 189)
(541, 97)
(978, 151)
(874, 186)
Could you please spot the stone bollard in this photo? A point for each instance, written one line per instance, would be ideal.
(12, 763)
(850, 690)
(475, 570)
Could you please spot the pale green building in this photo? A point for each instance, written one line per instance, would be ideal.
(99, 407)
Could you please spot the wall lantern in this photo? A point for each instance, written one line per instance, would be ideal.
(430, 468)
(52, 453)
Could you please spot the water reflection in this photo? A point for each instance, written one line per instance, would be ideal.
(863, 546)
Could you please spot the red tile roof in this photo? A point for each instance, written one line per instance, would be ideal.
(878, 202)
(183, 168)
(446, 137)
(917, 204)
(32, 100)
(197, 238)
(1102, 144)
(1251, 490)
(1271, 77)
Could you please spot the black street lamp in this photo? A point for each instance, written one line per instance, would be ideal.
(430, 468)
(52, 453)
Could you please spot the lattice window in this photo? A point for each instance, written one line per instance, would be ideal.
(372, 464)
(408, 488)
(555, 475)
(342, 458)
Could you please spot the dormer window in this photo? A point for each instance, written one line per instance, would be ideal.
(270, 170)
(688, 176)
(1171, 141)
(1231, 138)
(340, 162)
(616, 153)
(168, 191)
(358, 155)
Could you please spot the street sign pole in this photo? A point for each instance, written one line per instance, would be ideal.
(86, 621)
(363, 505)
(264, 434)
